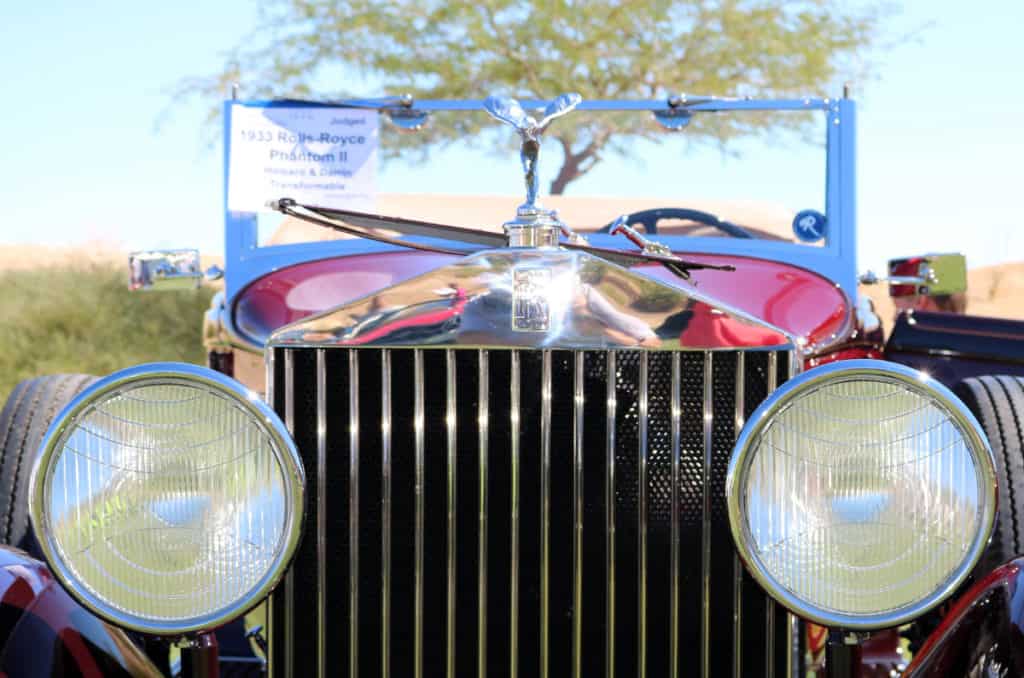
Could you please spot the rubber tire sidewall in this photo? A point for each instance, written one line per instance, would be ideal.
(24, 420)
(998, 403)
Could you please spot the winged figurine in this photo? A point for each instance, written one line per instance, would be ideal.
(530, 130)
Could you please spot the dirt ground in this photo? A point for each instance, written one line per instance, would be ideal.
(22, 257)
(25, 257)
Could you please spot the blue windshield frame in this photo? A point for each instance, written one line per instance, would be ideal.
(246, 262)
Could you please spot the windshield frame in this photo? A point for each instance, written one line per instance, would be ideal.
(247, 261)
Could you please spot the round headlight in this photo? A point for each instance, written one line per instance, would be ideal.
(167, 498)
(861, 494)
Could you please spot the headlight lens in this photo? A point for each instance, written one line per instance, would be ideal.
(167, 498)
(861, 494)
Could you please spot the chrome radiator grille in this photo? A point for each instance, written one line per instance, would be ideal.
(523, 512)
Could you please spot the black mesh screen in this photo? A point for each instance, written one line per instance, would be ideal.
(474, 479)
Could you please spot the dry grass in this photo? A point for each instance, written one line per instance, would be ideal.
(70, 310)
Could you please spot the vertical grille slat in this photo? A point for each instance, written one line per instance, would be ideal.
(705, 548)
(754, 601)
(482, 507)
(452, 534)
(521, 512)
(435, 517)
(691, 501)
(642, 452)
(591, 620)
(545, 510)
(627, 442)
(385, 515)
(676, 411)
(353, 526)
(514, 431)
(740, 419)
(321, 511)
(499, 501)
(577, 512)
(419, 466)
(609, 497)
(467, 435)
(659, 513)
(401, 422)
(289, 583)
(371, 445)
(306, 596)
(333, 513)
(564, 515)
(722, 556)
(531, 506)
(273, 600)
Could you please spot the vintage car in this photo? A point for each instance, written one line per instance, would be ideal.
(658, 441)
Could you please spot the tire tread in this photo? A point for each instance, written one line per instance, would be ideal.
(24, 420)
(998, 403)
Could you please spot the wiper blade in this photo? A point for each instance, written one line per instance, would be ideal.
(361, 224)
(357, 223)
(677, 265)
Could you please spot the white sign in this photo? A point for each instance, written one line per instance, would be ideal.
(317, 156)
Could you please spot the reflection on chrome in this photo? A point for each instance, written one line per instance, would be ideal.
(532, 298)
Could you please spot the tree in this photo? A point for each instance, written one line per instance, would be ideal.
(600, 48)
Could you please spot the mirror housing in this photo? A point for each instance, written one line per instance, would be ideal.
(164, 270)
(930, 275)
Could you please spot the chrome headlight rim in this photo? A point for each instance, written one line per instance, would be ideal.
(187, 374)
(847, 370)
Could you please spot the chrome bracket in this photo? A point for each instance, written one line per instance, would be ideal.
(872, 278)
(572, 236)
(675, 116)
(405, 116)
(255, 634)
(647, 246)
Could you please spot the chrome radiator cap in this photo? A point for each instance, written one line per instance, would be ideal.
(535, 298)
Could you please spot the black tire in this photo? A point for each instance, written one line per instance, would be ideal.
(27, 414)
(998, 403)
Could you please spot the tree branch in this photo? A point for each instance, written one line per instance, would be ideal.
(575, 165)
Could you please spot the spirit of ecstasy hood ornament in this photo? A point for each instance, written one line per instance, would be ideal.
(534, 226)
(508, 110)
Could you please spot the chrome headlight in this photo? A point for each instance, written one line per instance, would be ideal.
(167, 498)
(861, 494)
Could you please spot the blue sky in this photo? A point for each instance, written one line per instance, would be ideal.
(84, 158)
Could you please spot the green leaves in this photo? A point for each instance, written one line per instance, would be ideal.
(600, 48)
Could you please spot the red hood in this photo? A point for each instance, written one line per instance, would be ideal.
(793, 299)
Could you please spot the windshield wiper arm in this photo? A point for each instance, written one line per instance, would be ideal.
(361, 224)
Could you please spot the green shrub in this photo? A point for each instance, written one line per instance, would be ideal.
(85, 320)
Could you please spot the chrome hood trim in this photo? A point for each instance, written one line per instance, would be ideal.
(535, 298)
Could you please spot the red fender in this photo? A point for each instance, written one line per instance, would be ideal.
(44, 632)
(983, 634)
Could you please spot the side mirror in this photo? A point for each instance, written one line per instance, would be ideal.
(931, 275)
(164, 270)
